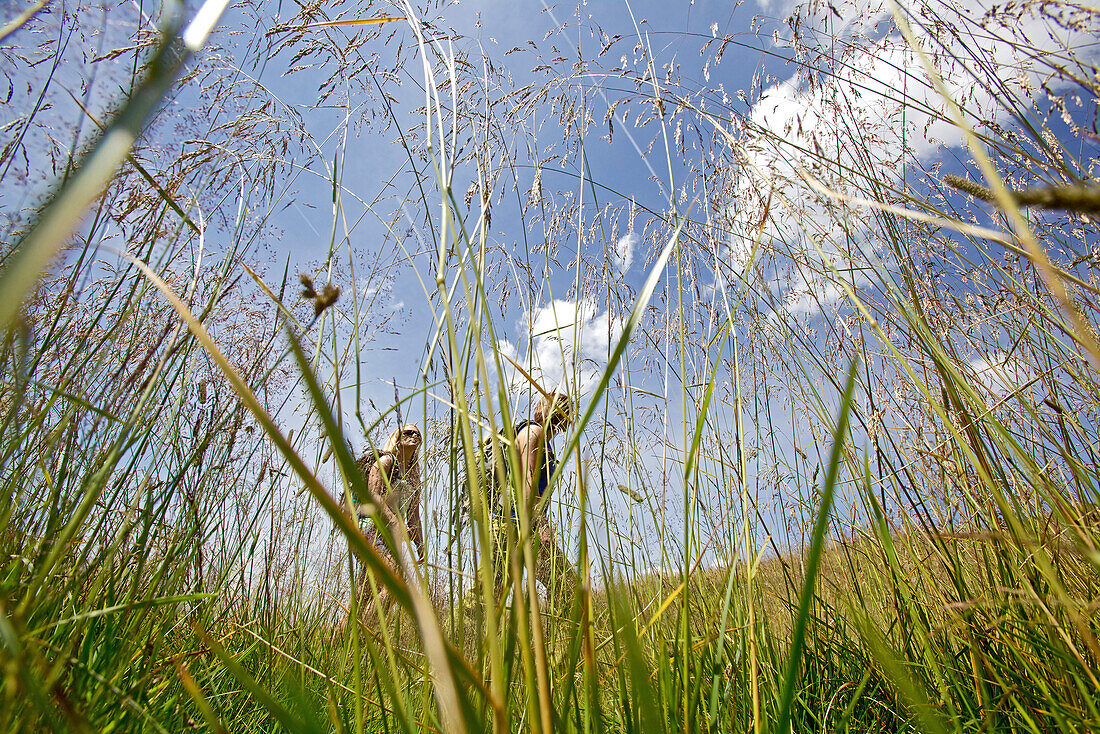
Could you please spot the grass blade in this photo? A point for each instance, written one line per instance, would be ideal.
(813, 558)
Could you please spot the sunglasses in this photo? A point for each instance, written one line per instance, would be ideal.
(410, 432)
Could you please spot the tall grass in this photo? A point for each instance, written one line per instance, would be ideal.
(875, 514)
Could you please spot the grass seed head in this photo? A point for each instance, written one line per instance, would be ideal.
(328, 295)
(326, 298)
(307, 286)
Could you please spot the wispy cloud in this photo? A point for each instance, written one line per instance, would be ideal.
(623, 256)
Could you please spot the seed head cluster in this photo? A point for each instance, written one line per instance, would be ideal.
(328, 295)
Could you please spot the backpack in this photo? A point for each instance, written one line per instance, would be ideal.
(364, 463)
(493, 468)
(368, 459)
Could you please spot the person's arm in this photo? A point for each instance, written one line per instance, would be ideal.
(412, 521)
(529, 448)
(376, 486)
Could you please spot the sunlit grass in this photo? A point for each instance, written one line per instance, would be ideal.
(859, 527)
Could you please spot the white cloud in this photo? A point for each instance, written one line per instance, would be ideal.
(568, 345)
(857, 128)
(624, 251)
(507, 348)
(812, 297)
(1000, 375)
(844, 16)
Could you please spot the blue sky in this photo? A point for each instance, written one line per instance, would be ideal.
(874, 87)
(625, 169)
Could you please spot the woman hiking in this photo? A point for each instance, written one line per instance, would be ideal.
(393, 481)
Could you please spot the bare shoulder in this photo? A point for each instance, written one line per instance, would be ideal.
(384, 464)
(529, 436)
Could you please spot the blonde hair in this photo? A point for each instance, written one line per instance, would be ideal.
(410, 474)
(553, 405)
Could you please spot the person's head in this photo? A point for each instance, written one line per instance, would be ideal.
(404, 440)
(553, 410)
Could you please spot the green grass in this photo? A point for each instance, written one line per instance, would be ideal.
(174, 557)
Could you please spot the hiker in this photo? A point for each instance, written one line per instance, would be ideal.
(393, 481)
(536, 464)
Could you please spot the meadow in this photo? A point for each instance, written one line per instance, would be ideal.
(834, 464)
